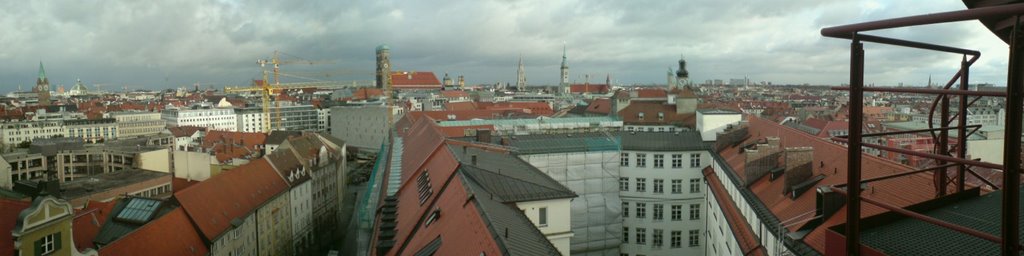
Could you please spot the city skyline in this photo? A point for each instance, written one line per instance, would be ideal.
(169, 45)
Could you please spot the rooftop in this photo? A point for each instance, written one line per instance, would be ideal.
(84, 187)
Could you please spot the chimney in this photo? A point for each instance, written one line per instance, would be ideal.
(760, 161)
(483, 135)
(827, 202)
(773, 141)
(505, 141)
(799, 166)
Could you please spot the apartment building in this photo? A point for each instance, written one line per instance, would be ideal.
(288, 117)
(661, 189)
(137, 123)
(223, 119)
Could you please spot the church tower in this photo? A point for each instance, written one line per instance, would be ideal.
(671, 79)
(383, 65)
(682, 76)
(564, 83)
(521, 76)
(42, 87)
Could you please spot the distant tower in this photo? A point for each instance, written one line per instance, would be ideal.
(42, 87)
(462, 83)
(671, 79)
(447, 80)
(383, 65)
(682, 76)
(608, 81)
(565, 72)
(521, 77)
(929, 81)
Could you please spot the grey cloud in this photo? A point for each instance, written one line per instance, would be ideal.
(168, 44)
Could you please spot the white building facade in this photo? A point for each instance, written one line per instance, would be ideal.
(222, 119)
(661, 187)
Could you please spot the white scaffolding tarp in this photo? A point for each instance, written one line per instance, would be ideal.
(597, 212)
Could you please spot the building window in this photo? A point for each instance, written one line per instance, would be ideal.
(659, 212)
(694, 211)
(695, 160)
(625, 235)
(695, 185)
(543, 216)
(623, 184)
(641, 185)
(659, 161)
(677, 239)
(625, 209)
(659, 186)
(49, 243)
(677, 212)
(640, 116)
(677, 186)
(641, 210)
(641, 236)
(641, 160)
(677, 160)
(423, 186)
(694, 238)
(657, 237)
(624, 159)
(661, 116)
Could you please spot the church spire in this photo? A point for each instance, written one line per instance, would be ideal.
(521, 76)
(42, 72)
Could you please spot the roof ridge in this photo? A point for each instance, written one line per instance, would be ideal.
(473, 171)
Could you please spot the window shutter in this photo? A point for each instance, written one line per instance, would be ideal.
(38, 248)
(57, 241)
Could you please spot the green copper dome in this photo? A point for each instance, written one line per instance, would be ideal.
(383, 47)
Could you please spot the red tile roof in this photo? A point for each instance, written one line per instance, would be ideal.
(414, 80)
(601, 106)
(171, 234)
(228, 145)
(9, 210)
(236, 193)
(465, 105)
(589, 88)
(631, 114)
(454, 94)
(179, 184)
(829, 159)
(367, 94)
(741, 229)
(536, 108)
(185, 131)
(88, 221)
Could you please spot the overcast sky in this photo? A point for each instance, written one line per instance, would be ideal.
(165, 44)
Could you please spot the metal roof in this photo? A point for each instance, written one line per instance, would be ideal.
(515, 233)
(508, 177)
(663, 141)
(904, 236)
(563, 143)
(530, 121)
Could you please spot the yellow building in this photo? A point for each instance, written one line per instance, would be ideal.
(45, 229)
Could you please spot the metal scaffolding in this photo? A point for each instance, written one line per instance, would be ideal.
(1001, 18)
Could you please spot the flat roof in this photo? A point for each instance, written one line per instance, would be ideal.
(108, 181)
(901, 235)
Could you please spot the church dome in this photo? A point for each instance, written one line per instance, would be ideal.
(383, 47)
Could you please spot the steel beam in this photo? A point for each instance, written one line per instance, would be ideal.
(922, 217)
(1012, 143)
(942, 147)
(885, 177)
(926, 91)
(856, 107)
(961, 139)
(846, 31)
(975, 126)
(926, 155)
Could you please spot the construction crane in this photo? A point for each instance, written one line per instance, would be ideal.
(267, 89)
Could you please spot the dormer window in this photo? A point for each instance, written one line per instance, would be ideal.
(640, 116)
(661, 116)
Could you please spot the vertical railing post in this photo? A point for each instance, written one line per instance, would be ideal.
(961, 142)
(856, 107)
(1011, 144)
